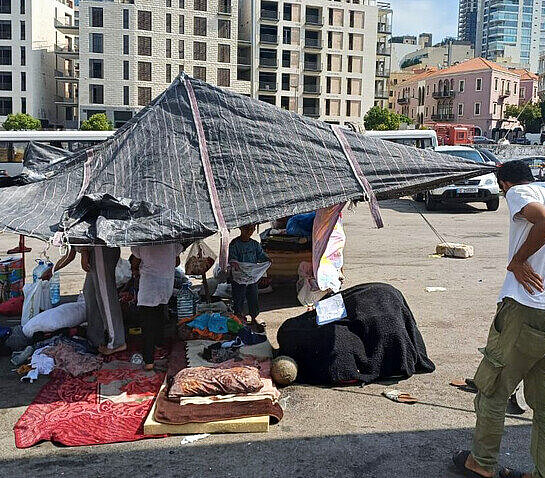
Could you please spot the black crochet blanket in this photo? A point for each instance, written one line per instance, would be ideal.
(379, 339)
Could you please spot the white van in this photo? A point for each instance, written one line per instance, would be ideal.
(419, 138)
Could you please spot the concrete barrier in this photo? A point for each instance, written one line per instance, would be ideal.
(514, 151)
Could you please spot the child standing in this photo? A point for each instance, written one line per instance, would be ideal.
(244, 249)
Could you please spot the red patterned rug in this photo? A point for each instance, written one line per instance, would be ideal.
(107, 406)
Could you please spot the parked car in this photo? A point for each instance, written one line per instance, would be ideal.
(521, 140)
(481, 189)
(489, 155)
(483, 140)
(534, 138)
(3, 173)
(537, 165)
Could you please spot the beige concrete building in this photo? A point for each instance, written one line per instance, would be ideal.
(131, 50)
(28, 41)
(441, 55)
(321, 58)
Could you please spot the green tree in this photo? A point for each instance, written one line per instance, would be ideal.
(97, 122)
(21, 122)
(383, 119)
(529, 116)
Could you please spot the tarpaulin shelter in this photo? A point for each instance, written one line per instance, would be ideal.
(200, 159)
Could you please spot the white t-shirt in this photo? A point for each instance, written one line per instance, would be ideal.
(156, 272)
(517, 198)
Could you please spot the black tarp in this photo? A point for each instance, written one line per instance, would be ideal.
(146, 183)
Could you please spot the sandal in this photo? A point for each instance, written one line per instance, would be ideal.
(459, 459)
(106, 351)
(400, 397)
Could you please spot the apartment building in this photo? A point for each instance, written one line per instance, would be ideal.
(511, 31)
(467, 20)
(442, 55)
(474, 92)
(321, 58)
(131, 50)
(28, 40)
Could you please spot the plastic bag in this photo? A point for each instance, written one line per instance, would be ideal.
(330, 310)
(199, 260)
(123, 273)
(65, 315)
(248, 272)
(37, 299)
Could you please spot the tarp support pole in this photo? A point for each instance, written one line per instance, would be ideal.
(209, 175)
(356, 168)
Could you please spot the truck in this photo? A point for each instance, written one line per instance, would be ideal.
(453, 134)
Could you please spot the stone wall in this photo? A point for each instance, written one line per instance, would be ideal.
(515, 151)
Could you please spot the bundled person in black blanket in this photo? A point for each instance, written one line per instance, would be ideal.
(246, 250)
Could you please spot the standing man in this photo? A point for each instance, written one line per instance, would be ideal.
(515, 350)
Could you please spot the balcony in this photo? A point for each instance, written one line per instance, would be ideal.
(384, 51)
(403, 101)
(315, 43)
(65, 27)
(311, 89)
(67, 52)
(66, 101)
(66, 76)
(269, 15)
(267, 86)
(224, 7)
(269, 38)
(505, 94)
(268, 62)
(312, 66)
(314, 20)
(311, 111)
(385, 28)
(383, 73)
(443, 117)
(439, 95)
(381, 95)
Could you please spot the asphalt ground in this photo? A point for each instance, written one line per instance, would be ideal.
(330, 432)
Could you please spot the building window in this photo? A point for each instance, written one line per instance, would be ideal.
(286, 35)
(515, 88)
(6, 106)
(5, 81)
(144, 20)
(479, 84)
(462, 86)
(169, 3)
(224, 77)
(144, 96)
(496, 84)
(181, 50)
(96, 94)
(180, 68)
(286, 59)
(96, 69)
(22, 7)
(5, 55)
(224, 28)
(5, 6)
(461, 109)
(144, 46)
(23, 30)
(199, 72)
(23, 105)
(97, 43)
(5, 30)
(125, 19)
(285, 82)
(125, 95)
(23, 81)
(224, 54)
(181, 22)
(495, 108)
(199, 27)
(168, 23)
(287, 12)
(23, 56)
(477, 109)
(125, 44)
(168, 73)
(126, 74)
(199, 51)
(168, 48)
(200, 5)
(181, 4)
(144, 71)
(96, 17)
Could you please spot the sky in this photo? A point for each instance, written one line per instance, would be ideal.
(412, 17)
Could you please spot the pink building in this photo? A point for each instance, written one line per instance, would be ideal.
(473, 92)
(528, 86)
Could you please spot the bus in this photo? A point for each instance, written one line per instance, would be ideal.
(419, 138)
(13, 144)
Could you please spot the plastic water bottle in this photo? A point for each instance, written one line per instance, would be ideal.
(55, 288)
(185, 302)
(38, 271)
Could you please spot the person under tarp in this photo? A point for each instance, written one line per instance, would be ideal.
(378, 339)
